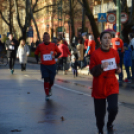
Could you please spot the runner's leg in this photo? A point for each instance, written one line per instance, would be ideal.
(46, 86)
(112, 108)
(100, 111)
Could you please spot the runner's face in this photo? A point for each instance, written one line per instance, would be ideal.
(84, 37)
(46, 38)
(105, 41)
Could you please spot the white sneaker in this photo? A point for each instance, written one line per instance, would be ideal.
(47, 98)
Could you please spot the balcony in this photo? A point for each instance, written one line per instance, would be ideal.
(107, 7)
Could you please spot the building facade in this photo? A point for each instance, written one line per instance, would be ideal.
(50, 19)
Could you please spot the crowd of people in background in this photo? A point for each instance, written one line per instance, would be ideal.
(104, 63)
(75, 55)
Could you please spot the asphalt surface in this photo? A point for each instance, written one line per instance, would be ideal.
(23, 108)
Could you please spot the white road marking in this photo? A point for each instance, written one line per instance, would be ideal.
(68, 89)
(27, 75)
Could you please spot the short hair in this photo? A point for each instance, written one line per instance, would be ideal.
(45, 33)
(80, 39)
(104, 32)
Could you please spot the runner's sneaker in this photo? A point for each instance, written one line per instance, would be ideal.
(12, 71)
(47, 98)
(50, 92)
(110, 130)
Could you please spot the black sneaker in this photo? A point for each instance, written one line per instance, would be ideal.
(110, 130)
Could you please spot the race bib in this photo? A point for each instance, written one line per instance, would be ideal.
(117, 43)
(11, 47)
(111, 64)
(47, 57)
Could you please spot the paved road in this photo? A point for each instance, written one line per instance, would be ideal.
(23, 108)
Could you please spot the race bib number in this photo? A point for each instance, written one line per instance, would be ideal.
(47, 57)
(117, 43)
(111, 64)
(11, 47)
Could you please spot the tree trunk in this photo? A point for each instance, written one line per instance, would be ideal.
(72, 19)
(91, 19)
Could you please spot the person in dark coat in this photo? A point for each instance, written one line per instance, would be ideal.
(11, 47)
(1, 46)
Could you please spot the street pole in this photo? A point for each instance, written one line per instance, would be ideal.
(118, 16)
(70, 4)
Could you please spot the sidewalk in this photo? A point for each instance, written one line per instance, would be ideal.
(83, 71)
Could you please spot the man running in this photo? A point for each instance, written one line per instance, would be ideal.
(118, 45)
(48, 51)
(11, 47)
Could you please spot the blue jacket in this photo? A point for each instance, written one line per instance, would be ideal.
(128, 55)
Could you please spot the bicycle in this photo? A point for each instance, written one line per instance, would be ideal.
(3, 58)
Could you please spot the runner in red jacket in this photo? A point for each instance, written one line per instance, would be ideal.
(86, 40)
(63, 57)
(47, 52)
(118, 45)
(104, 63)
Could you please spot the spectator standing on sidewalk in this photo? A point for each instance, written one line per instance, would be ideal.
(11, 48)
(118, 45)
(64, 55)
(22, 53)
(127, 61)
(131, 39)
(47, 52)
(104, 64)
(80, 50)
(1, 46)
(37, 42)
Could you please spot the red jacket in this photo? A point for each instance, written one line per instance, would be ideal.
(118, 44)
(45, 53)
(86, 43)
(106, 82)
(92, 45)
(64, 50)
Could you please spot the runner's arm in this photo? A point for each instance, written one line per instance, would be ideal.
(95, 69)
(58, 52)
(88, 49)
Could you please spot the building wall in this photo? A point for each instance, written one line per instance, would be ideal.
(46, 21)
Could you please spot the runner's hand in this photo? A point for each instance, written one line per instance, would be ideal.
(104, 65)
(39, 62)
(118, 71)
(85, 55)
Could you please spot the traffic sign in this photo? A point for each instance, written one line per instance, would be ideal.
(102, 17)
(111, 18)
(124, 17)
(114, 27)
(8, 34)
(30, 34)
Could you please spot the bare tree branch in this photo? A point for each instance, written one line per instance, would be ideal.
(4, 18)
